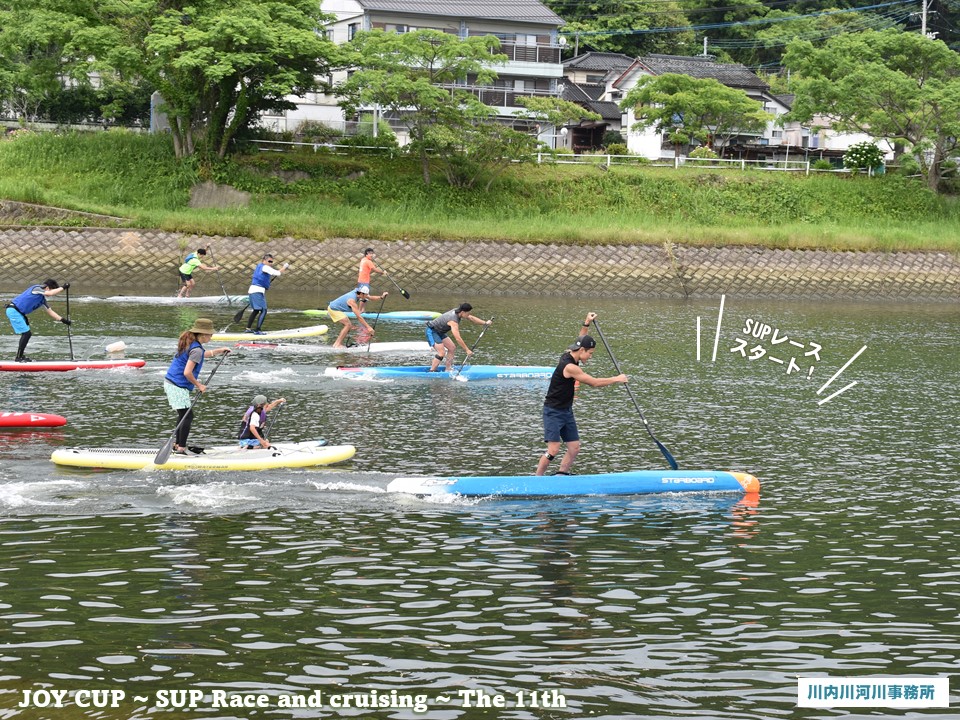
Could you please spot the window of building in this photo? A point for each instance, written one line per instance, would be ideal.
(352, 30)
(595, 79)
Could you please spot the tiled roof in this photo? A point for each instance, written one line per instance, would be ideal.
(787, 100)
(730, 74)
(530, 11)
(599, 61)
(581, 95)
(594, 92)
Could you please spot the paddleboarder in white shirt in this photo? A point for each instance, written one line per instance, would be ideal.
(559, 423)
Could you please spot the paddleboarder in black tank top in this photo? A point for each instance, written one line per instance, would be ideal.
(559, 423)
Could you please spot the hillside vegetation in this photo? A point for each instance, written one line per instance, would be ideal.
(137, 177)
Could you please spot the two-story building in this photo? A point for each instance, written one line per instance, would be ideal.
(527, 30)
(617, 74)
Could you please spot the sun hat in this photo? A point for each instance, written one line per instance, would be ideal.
(202, 326)
(586, 342)
(365, 289)
(260, 400)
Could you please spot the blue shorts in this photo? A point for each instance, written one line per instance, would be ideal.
(434, 337)
(250, 443)
(559, 425)
(258, 301)
(18, 320)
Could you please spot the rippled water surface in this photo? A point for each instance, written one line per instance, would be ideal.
(319, 584)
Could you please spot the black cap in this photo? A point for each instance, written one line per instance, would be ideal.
(584, 341)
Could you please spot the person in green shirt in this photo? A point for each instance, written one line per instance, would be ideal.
(193, 261)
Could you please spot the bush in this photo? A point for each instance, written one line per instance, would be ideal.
(317, 132)
(863, 156)
(617, 149)
(702, 155)
(612, 137)
(822, 164)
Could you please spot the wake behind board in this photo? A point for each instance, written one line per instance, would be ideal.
(230, 457)
(394, 315)
(470, 372)
(173, 300)
(633, 482)
(311, 331)
(30, 420)
(67, 365)
(421, 347)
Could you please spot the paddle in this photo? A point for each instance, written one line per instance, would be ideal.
(272, 421)
(476, 342)
(402, 291)
(164, 453)
(219, 279)
(663, 449)
(69, 336)
(379, 310)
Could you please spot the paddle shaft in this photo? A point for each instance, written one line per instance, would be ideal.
(472, 348)
(164, 453)
(271, 421)
(219, 279)
(69, 336)
(379, 310)
(616, 365)
(387, 275)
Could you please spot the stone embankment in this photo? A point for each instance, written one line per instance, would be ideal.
(133, 261)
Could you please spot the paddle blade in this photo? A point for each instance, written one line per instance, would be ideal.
(164, 454)
(239, 314)
(405, 293)
(667, 455)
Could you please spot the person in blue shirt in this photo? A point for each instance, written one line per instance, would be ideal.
(33, 298)
(183, 376)
(262, 276)
(351, 302)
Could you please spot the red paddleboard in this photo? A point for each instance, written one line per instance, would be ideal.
(66, 365)
(28, 420)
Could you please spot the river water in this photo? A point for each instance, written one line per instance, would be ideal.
(317, 586)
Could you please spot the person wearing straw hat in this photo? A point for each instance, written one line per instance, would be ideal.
(559, 424)
(254, 420)
(183, 377)
(33, 298)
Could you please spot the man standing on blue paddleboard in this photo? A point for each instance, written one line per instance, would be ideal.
(559, 424)
(262, 276)
(33, 298)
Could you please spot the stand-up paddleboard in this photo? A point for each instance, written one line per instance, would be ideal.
(67, 365)
(395, 315)
(421, 347)
(231, 457)
(30, 420)
(172, 300)
(289, 334)
(622, 483)
(470, 372)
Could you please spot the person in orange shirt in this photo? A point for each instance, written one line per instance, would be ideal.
(368, 265)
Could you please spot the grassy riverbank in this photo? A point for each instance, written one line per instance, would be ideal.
(136, 177)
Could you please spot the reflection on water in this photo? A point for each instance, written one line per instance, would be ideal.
(290, 582)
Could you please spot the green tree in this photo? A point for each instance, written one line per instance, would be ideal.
(686, 109)
(889, 84)
(555, 111)
(219, 63)
(418, 77)
(44, 46)
(613, 25)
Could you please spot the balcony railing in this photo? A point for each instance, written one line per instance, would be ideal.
(530, 53)
(501, 97)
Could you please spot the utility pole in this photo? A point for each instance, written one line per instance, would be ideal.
(923, 18)
(705, 44)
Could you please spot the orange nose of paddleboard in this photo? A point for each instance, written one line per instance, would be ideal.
(750, 483)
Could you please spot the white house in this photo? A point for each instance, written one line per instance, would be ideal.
(527, 31)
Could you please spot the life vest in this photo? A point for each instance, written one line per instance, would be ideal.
(245, 433)
(179, 364)
(260, 278)
(29, 300)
